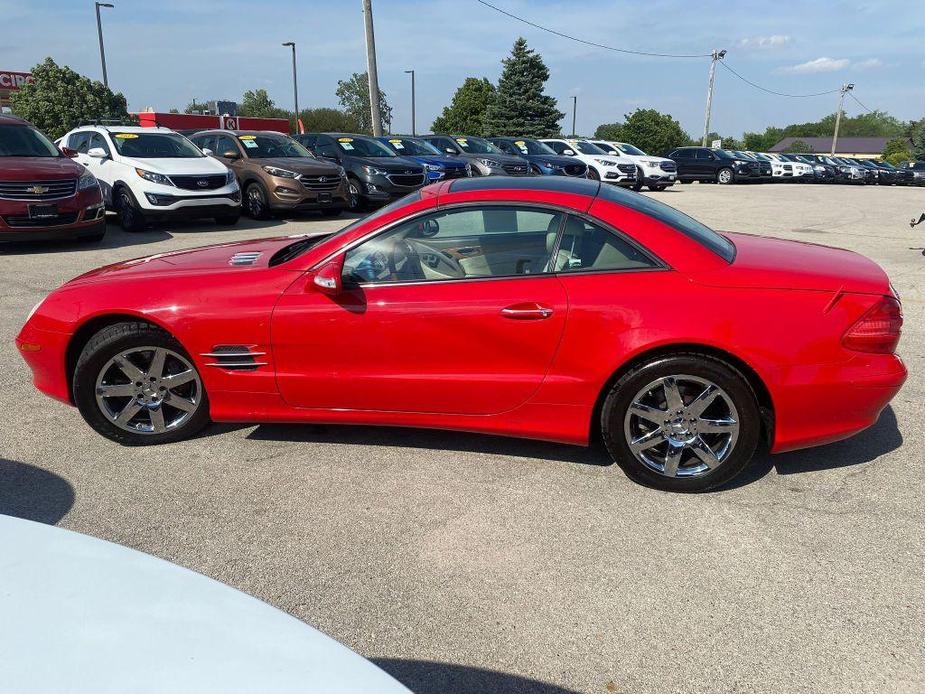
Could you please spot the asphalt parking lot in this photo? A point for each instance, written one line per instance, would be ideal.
(465, 563)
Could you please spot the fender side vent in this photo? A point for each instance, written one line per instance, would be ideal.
(234, 357)
(245, 258)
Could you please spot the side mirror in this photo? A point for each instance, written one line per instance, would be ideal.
(208, 152)
(568, 152)
(231, 154)
(450, 150)
(328, 278)
(68, 152)
(97, 153)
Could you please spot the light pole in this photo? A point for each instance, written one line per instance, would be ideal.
(371, 70)
(574, 111)
(716, 55)
(99, 32)
(411, 72)
(845, 88)
(295, 83)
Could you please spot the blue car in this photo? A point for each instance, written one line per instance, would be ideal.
(439, 166)
(543, 160)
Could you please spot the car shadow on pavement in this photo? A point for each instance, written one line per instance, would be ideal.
(115, 238)
(426, 677)
(883, 437)
(32, 493)
(432, 439)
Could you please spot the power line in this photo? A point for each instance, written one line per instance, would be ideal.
(592, 43)
(859, 102)
(771, 91)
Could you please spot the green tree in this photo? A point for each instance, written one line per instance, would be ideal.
(918, 140)
(762, 142)
(353, 94)
(466, 113)
(320, 120)
(798, 146)
(647, 129)
(519, 106)
(197, 107)
(898, 149)
(258, 104)
(612, 132)
(58, 99)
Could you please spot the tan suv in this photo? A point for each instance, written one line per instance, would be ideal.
(276, 173)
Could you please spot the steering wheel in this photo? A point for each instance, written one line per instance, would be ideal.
(406, 256)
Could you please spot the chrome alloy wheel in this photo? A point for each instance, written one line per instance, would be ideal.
(681, 426)
(148, 390)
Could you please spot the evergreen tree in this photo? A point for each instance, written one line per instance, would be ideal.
(466, 113)
(519, 106)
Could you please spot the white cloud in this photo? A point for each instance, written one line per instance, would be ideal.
(775, 41)
(819, 65)
(869, 64)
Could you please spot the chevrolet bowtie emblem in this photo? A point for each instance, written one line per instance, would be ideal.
(38, 190)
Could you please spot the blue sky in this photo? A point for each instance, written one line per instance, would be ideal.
(162, 53)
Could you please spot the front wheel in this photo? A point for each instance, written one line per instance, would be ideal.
(683, 423)
(354, 195)
(131, 217)
(593, 174)
(255, 201)
(136, 385)
(724, 176)
(657, 188)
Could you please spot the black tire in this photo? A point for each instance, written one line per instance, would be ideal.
(726, 377)
(725, 176)
(228, 220)
(255, 201)
(131, 218)
(331, 211)
(683, 180)
(657, 188)
(355, 190)
(593, 174)
(96, 354)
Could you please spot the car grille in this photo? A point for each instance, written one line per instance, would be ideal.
(458, 172)
(627, 168)
(516, 169)
(25, 221)
(207, 182)
(575, 170)
(406, 179)
(669, 166)
(37, 190)
(320, 183)
(765, 168)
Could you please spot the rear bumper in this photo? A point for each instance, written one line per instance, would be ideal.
(821, 404)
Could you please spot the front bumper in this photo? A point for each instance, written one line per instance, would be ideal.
(287, 194)
(82, 214)
(43, 351)
(657, 176)
(817, 404)
(158, 200)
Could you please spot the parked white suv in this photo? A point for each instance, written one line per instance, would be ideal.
(601, 166)
(155, 173)
(798, 168)
(656, 172)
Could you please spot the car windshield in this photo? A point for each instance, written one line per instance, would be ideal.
(476, 145)
(23, 141)
(763, 157)
(364, 147)
(629, 149)
(886, 165)
(723, 154)
(532, 147)
(743, 155)
(588, 148)
(609, 149)
(266, 146)
(155, 146)
(800, 157)
(419, 148)
(917, 165)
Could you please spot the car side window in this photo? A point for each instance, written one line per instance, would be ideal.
(558, 147)
(463, 243)
(444, 143)
(327, 149)
(587, 246)
(681, 154)
(224, 145)
(506, 147)
(97, 140)
(79, 142)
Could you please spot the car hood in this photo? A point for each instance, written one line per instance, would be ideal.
(302, 165)
(113, 619)
(238, 256)
(194, 166)
(609, 157)
(503, 158)
(449, 162)
(38, 168)
(553, 159)
(396, 164)
(772, 263)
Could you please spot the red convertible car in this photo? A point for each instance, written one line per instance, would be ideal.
(544, 307)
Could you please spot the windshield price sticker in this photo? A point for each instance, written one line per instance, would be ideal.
(126, 136)
(247, 137)
(250, 144)
(398, 144)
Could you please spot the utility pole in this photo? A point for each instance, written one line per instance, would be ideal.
(411, 72)
(371, 69)
(574, 110)
(716, 55)
(845, 88)
(99, 33)
(295, 84)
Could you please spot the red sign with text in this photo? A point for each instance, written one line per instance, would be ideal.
(12, 81)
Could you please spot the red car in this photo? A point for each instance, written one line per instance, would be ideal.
(545, 307)
(43, 194)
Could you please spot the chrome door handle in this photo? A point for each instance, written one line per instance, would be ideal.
(526, 312)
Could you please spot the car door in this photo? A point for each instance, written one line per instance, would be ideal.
(451, 312)
(102, 167)
(226, 150)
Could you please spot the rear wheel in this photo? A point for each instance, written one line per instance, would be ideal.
(725, 176)
(136, 385)
(131, 217)
(684, 423)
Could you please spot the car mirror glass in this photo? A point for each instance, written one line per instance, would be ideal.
(97, 153)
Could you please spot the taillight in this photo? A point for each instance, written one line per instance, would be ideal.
(877, 330)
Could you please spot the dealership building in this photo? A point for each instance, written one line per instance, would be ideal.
(857, 147)
(10, 82)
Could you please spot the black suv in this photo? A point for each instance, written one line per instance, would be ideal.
(706, 164)
(375, 174)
